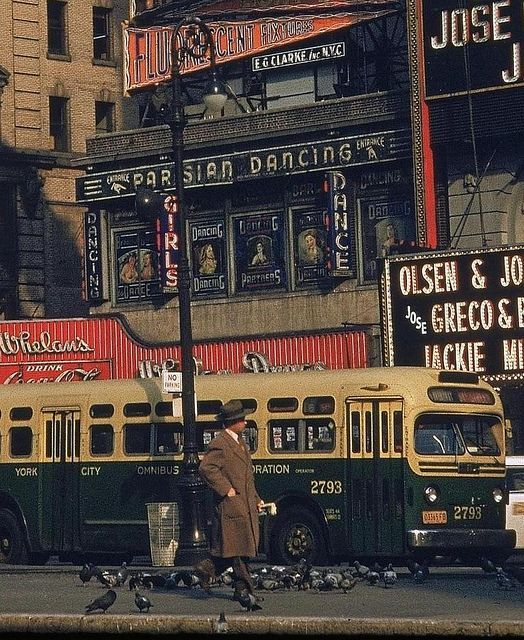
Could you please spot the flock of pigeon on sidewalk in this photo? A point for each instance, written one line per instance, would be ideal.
(301, 576)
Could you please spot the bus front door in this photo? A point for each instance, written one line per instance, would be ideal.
(375, 476)
(62, 452)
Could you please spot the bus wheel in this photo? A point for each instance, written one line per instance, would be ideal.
(297, 534)
(13, 549)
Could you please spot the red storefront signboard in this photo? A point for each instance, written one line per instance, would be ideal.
(101, 348)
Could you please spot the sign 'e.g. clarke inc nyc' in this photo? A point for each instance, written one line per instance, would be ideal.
(461, 310)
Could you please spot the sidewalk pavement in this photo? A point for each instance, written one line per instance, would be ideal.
(70, 625)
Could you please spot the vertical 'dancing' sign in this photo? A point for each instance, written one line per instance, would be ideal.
(338, 223)
(93, 285)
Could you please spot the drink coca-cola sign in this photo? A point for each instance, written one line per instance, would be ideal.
(54, 372)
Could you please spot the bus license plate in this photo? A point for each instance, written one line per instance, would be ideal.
(434, 517)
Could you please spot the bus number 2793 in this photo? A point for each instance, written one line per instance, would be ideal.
(467, 513)
(326, 486)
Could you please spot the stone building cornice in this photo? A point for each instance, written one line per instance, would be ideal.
(248, 128)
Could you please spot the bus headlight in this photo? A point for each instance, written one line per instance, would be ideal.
(498, 495)
(431, 494)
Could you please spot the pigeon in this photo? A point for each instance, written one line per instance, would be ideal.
(135, 581)
(487, 565)
(288, 582)
(109, 580)
(389, 576)
(248, 601)
(142, 602)
(148, 581)
(97, 573)
(360, 569)
(330, 581)
(419, 577)
(182, 579)
(268, 584)
(346, 584)
(372, 577)
(85, 573)
(226, 579)
(221, 623)
(516, 572)
(504, 581)
(103, 602)
(122, 575)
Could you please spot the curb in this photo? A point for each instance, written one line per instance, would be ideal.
(170, 624)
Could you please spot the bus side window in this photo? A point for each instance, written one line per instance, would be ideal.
(384, 419)
(168, 438)
(282, 405)
(367, 431)
(320, 435)
(137, 438)
(355, 431)
(283, 435)
(208, 407)
(20, 441)
(250, 435)
(318, 404)
(397, 431)
(101, 411)
(137, 409)
(101, 438)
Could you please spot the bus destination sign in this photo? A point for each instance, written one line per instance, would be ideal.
(461, 310)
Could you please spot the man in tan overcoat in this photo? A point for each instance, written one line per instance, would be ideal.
(227, 468)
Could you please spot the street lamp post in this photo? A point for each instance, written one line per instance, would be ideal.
(196, 40)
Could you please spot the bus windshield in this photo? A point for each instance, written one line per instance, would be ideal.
(444, 435)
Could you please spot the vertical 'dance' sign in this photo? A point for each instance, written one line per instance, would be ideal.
(337, 223)
(93, 257)
(167, 241)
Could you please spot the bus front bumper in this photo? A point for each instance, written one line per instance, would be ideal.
(445, 540)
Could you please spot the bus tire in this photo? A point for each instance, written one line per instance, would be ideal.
(297, 534)
(13, 549)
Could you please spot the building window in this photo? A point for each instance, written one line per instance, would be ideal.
(56, 27)
(104, 117)
(58, 123)
(102, 41)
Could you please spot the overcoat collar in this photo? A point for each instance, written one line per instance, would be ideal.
(238, 448)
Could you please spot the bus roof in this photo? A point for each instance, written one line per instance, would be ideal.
(369, 381)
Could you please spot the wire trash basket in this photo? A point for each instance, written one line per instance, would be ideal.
(164, 532)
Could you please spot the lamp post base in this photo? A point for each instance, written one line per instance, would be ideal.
(193, 543)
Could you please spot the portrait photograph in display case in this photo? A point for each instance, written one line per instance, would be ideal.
(310, 247)
(259, 252)
(207, 258)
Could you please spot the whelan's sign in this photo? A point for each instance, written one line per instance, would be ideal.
(461, 310)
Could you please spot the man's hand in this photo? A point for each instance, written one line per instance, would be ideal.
(232, 492)
(260, 506)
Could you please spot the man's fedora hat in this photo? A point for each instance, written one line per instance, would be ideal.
(232, 410)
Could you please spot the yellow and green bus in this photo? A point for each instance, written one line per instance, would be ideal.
(379, 462)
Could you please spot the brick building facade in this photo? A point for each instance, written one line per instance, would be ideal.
(59, 64)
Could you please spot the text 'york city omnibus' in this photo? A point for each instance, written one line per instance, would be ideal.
(379, 462)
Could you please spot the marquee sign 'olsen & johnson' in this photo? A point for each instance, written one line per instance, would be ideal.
(461, 310)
